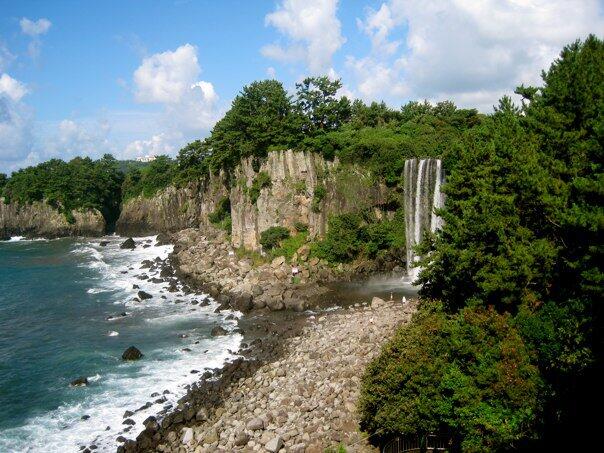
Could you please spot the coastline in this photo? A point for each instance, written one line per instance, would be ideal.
(300, 396)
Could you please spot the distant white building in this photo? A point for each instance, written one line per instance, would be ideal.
(145, 158)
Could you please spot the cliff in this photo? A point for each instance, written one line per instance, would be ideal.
(42, 220)
(172, 209)
(291, 196)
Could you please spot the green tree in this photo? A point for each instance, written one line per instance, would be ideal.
(467, 376)
(321, 109)
(260, 116)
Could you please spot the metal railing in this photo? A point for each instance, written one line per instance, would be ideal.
(430, 443)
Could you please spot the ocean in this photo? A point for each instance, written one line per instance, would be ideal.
(55, 300)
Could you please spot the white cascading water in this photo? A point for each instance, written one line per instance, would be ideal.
(423, 178)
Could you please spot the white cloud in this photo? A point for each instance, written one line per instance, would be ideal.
(6, 57)
(271, 73)
(170, 79)
(313, 32)
(12, 88)
(157, 145)
(166, 77)
(468, 51)
(35, 28)
(15, 123)
(190, 105)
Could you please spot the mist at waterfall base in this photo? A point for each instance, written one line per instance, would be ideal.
(55, 297)
(423, 180)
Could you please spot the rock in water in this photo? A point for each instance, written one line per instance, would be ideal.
(132, 353)
(79, 382)
(128, 244)
(144, 295)
(218, 331)
(162, 239)
(104, 243)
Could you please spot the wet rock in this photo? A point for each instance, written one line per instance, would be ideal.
(162, 239)
(128, 244)
(143, 295)
(132, 353)
(84, 417)
(128, 421)
(79, 382)
(218, 331)
(128, 414)
(104, 243)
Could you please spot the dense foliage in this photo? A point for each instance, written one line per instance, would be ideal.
(523, 228)
(468, 375)
(360, 235)
(272, 237)
(80, 183)
(148, 180)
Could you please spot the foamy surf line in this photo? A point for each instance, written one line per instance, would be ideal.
(97, 417)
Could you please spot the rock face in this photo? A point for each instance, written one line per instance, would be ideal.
(132, 353)
(42, 220)
(290, 198)
(295, 177)
(172, 209)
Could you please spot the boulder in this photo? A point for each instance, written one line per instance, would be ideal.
(241, 438)
(143, 295)
(187, 436)
(277, 262)
(274, 445)
(218, 331)
(255, 424)
(79, 382)
(104, 243)
(377, 302)
(162, 239)
(128, 244)
(132, 353)
(242, 302)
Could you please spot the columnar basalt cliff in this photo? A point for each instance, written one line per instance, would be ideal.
(172, 209)
(39, 219)
(292, 195)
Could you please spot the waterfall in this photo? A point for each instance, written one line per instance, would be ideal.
(423, 178)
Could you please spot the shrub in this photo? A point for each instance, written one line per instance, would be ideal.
(317, 198)
(273, 236)
(222, 211)
(300, 227)
(261, 181)
(290, 245)
(466, 375)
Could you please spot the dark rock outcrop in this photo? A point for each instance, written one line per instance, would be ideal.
(132, 353)
(143, 295)
(79, 382)
(128, 244)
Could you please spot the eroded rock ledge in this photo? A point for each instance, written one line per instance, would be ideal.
(304, 401)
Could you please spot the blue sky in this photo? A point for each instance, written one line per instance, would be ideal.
(145, 77)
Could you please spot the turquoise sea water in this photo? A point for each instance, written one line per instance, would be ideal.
(55, 297)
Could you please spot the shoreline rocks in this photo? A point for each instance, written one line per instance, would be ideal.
(300, 398)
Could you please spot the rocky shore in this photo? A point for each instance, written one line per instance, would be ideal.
(206, 259)
(297, 392)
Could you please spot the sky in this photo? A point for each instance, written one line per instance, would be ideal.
(135, 77)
